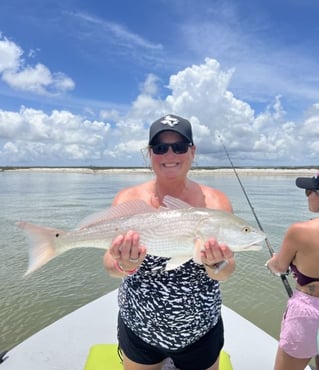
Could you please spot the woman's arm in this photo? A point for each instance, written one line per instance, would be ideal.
(279, 262)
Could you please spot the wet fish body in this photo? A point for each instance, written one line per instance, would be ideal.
(177, 231)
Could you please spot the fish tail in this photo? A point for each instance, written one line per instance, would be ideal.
(42, 244)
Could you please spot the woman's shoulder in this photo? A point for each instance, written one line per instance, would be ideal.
(303, 231)
(208, 190)
(305, 225)
(215, 198)
(302, 236)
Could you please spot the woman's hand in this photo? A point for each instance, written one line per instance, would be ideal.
(215, 253)
(127, 252)
(217, 259)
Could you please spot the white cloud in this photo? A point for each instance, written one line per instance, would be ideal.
(311, 125)
(61, 136)
(10, 55)
(116, 33)
(267, 64)
(37, 79)
(200, 93)
(33, 79)
(10, 148)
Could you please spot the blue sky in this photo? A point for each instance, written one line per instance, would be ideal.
(81, 81)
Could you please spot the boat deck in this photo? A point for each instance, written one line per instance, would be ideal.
(64, 345)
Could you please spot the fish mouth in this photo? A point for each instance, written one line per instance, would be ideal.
(256, 245)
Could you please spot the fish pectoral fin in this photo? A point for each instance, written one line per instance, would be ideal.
(198, 248)
(175, 262)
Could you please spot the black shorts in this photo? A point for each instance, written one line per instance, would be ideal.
(197, 356)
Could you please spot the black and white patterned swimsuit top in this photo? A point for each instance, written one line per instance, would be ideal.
(169, 309)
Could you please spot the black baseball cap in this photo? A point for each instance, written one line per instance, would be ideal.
(310, 183)
(174, 123)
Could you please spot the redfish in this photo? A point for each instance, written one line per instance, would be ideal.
(177, 230)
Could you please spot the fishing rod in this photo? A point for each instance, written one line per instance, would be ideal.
(270, 249)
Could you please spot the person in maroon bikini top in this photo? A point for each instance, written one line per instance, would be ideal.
(299, 333)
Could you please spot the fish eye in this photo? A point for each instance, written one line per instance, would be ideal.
(246, 229)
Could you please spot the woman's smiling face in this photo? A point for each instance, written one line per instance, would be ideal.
(170, 163)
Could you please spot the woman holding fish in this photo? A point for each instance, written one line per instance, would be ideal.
(170, 307)
(299, 335)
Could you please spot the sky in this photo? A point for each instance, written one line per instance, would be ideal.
(81, 81)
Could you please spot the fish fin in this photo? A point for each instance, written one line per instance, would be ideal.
(175, 262)
(42, 248)
(125, 209)
(198, 248)
(174, 203)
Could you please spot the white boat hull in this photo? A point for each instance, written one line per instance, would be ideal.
(64, 345)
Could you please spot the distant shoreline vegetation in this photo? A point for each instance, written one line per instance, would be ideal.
(93, 169)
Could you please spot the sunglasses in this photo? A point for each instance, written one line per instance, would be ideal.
(309, 191)
(177, 148)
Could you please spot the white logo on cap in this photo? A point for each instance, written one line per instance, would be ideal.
(170, 121)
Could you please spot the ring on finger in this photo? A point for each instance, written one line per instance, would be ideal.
(134, 260)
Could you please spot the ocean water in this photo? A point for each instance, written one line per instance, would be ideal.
(61, 200)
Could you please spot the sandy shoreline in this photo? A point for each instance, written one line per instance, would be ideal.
(198, 171)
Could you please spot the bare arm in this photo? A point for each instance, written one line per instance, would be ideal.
(279, 263)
